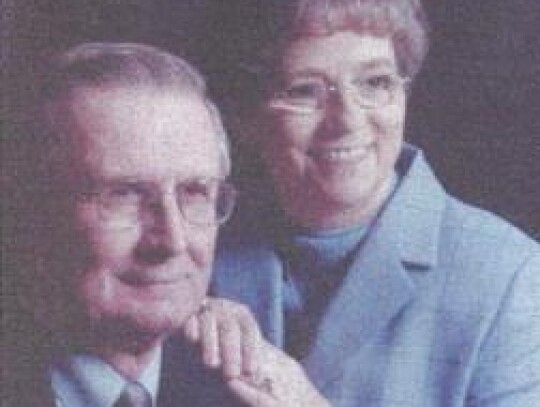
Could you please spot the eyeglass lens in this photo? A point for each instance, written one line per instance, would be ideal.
(201, 202)
(373, 90)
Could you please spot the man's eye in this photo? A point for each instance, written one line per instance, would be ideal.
(377, 82)
(198, 190)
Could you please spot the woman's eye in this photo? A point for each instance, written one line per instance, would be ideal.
(123, 191)
(303, 90)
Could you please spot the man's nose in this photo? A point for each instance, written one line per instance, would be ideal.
(169, 227)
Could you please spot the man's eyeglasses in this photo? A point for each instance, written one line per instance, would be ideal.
(310, 94)
(124, 204)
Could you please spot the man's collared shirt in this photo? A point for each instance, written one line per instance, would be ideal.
(88, 381)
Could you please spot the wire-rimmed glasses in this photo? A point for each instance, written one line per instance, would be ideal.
(309, 94)
(124, 204)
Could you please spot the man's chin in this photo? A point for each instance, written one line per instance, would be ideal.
(132, 332)
(135, 321)
(158, 325)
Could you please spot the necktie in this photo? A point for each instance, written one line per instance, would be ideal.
(134, 395)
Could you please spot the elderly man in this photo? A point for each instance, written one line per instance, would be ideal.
(135, 160)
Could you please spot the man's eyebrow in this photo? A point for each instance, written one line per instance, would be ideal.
(376, 63)
(123, 180)
(93, 182)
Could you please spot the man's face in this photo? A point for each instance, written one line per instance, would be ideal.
(147, 276)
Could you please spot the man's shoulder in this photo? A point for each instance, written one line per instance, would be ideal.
(25, 380)
(185, 382)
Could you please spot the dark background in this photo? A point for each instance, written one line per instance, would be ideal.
(475, 108)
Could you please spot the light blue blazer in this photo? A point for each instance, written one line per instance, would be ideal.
(440, 307)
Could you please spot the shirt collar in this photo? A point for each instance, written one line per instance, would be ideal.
(86, 380)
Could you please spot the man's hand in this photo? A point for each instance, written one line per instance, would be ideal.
(257, 373)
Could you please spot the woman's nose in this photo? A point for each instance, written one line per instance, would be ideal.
(342, 114)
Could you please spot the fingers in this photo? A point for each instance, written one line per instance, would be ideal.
(228, 336)
(209, 339)
(191, 329)
(230, 346)
(281, 382)
(239, 338)
(252, 346)
(250, 340)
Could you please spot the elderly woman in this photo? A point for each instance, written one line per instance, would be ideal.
(385, 289)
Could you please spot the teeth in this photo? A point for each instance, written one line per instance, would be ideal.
(144, 279)
(339, 154)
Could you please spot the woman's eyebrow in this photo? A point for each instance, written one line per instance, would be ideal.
(378, 63)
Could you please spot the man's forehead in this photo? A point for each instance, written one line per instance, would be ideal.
(125, 97)
(133, 131)
(84, 110)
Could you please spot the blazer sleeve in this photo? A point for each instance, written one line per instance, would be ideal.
(508, 370)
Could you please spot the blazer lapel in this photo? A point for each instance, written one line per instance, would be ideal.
(375, 290)
(379, 283)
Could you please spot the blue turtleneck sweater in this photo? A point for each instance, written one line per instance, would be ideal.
(315, 264)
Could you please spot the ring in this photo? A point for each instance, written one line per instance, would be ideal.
(267, 385)
(263, 383)
(205, 307)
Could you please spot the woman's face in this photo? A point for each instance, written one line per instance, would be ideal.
(333, 164)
